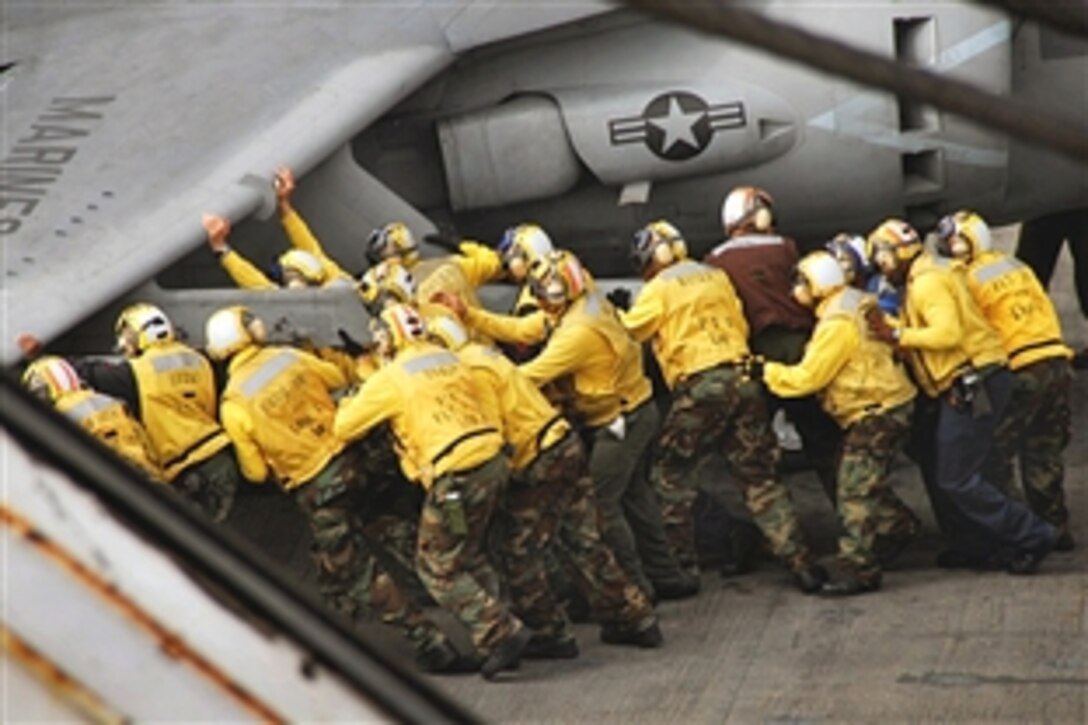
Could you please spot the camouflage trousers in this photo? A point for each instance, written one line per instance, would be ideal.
(553, 508)
(867, 506)
(452, 553)
(358, 564)
(718, 407)
(1036, 429)
(211, 484)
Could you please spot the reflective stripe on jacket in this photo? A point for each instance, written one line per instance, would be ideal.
(176, 387)
(944, 330)
(854, 374)
(278, 412)
(693, 316)
(444, 417)
(109, 420)
(1019, 309)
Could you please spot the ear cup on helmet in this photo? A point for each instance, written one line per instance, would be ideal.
(255, 326)
(762, 219)
(663, 255)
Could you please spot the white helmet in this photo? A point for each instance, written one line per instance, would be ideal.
(818, 275)
(140, 326)
(305, 265)
(963, 234)
(747, 208)
(231, 330)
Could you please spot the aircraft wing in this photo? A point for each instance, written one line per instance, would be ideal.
(123, 122)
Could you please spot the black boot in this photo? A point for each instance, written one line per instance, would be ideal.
(686, 585)
(850, 584)
(442, 658)
(810, 579)
(506, 654)
(647, 637)
(551, 647)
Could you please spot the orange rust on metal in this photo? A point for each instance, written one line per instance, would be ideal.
(56, 679)
(171, 644)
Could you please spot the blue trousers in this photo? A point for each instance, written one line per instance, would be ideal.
(978, 518)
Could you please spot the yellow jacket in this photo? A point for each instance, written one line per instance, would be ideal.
(278, 412)
(1016, 305)
(854, 374)
(479, 264)
(109, 420)
(247, 276)
(694, 317)
(176, 387)
(459, 274)
(445, 417)
(604, 363)
(530, 423)
(244, 273)
(302, 238)
(944, 330)
(526, 330)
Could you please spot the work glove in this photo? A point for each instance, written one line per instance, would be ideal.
(620, 298)
(351, 346)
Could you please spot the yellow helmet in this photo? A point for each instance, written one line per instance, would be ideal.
(394, 240)
(396, 326)
(558, 280)
(522, 247)
(386, 282)
(50, 377)
(303, 266)
(140, 326)
(818, 275)
(893, 243)
(747, 208)
(964, 234)
(657, 245)
(448, 330)
(231, 330)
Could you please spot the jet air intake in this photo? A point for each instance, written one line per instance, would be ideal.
(518, 151)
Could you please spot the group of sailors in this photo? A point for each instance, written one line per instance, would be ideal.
(504, 466)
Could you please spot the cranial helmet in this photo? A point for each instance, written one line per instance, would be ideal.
(304, 266)
(140, 326)
(657, 245)
(396, 326)
(231, 330)
(747, 208)
(447, 330)
(893, 243)
(818, 275)
(558, 280)
(384, 283)
(393, 240)
(849, 251)
(50, 377)
(522, 247)
(964, 234)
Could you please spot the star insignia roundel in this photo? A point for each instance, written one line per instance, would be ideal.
(677, 125)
